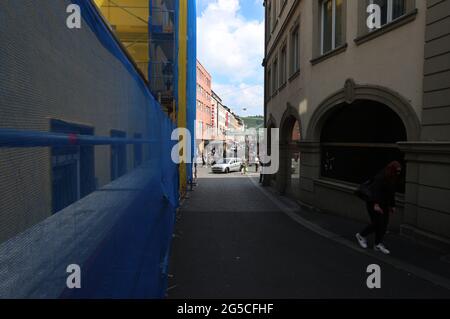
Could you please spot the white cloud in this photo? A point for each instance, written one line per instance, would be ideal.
(240, 96)
(229, 45)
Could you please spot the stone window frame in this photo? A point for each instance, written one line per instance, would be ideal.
(274, 14)
(282, 6)
(269, 17)
(318, 56)
(269, 82)
(293, 68)
(283, 74)
(334, 45)
(275, 76)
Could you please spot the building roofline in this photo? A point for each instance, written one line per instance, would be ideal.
(198, 62)
(219, 99)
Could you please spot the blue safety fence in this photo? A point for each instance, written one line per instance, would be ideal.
(192, 79)
(122, 246)
(146, 233)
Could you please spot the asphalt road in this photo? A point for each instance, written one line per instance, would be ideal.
(233, 242)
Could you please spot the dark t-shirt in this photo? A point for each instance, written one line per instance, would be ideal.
(383, 191)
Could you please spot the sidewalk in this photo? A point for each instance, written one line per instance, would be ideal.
(424, 261)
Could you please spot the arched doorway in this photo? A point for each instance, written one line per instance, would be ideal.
(289, 174)
(359, 139)
(269, 179)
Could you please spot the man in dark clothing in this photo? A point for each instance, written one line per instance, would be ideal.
(380, 204)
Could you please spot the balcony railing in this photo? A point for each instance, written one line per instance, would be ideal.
(161, 82)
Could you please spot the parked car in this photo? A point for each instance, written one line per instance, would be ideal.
(227, 165)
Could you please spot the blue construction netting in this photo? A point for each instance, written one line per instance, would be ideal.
(120, 234)
(192, 78)
(140, 243)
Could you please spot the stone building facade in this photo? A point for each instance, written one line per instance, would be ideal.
(359, 98)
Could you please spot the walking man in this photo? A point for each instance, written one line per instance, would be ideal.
(380, 203)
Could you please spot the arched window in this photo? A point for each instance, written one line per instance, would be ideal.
(359, 139)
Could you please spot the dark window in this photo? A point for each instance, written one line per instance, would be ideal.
(398, 8)
(137, 151)
(275, 76)
(118, 156)
(295, 50)
(360, 139)
(283, 65)
(390, 9)
(73, 168)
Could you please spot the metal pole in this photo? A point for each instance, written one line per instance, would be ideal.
(22, 138)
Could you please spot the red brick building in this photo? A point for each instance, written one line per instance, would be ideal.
(204, 126)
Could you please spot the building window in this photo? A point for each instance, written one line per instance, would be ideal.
(274, 12)
(269, 82)
(390, 9)
(269, 17)
(331, 25)
(275, 76)
(295, 50)
(283, 59)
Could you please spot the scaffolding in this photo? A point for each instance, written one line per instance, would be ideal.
(146, 28)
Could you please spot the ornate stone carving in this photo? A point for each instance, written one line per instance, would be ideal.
(349, 91)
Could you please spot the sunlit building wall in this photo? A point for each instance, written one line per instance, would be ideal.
(129, 20)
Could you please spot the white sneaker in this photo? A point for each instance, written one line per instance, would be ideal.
(382, 248)
(361, 240)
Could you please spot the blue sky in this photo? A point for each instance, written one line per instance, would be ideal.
(230, 44)
(250, 9)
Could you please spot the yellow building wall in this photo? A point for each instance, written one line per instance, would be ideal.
(129, 20)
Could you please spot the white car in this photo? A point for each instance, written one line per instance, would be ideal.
(227, 165)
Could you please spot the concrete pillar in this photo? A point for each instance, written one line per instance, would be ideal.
(309, 170)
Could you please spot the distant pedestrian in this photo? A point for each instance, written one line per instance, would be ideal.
(256, 164)
(261, 174)
(379, 194)
(244, 167)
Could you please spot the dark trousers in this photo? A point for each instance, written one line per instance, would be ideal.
(379, 223)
